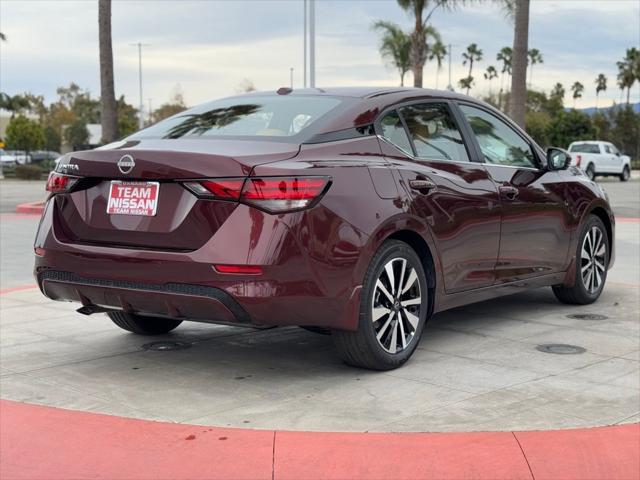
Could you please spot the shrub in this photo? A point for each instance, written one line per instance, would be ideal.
(28, 172)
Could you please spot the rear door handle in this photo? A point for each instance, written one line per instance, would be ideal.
(510, 193)
(422, 185)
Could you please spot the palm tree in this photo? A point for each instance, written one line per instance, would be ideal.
(15, 104)
(518, 96)
(422, 10)
(466, 82)
(505, 56)
(629, 70)
(577, 88)
(109, 114)
(472, 54)
(535, 57)
(490, 74)
(601, 86)
(438, 53)
(395, 46)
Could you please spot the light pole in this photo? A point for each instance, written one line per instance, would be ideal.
(291, 77)
(150, 110)
(141, 113)
(305, 42)
(312, 43)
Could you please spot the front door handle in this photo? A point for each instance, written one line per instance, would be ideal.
(422, 185)
(510, 193)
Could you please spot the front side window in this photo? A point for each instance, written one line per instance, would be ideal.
(500, 144)
(394, 132)
(252, 115)
(434, 132)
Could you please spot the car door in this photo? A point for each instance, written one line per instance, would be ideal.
(535, 233)
(452, 194)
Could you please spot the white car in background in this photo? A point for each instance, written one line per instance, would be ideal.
(600, 159)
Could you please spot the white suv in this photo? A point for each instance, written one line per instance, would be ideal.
(600, 158)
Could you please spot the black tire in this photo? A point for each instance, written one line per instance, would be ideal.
(591, 171)
(626, 174)
(143, 325)
(579, 294)
(361, 348)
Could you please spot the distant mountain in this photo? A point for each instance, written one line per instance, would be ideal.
(592, 110)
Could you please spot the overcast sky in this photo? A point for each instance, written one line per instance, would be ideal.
(208, 47)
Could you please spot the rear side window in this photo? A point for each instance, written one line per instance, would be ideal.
(434, 132)
(585, 148)
(253, 116)
(394, 132)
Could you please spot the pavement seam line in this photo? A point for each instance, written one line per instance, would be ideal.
(273, 457)
(524, 455)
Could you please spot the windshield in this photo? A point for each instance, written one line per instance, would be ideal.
(585, 148)
(254, 116)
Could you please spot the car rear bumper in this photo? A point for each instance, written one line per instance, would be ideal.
(293, 289)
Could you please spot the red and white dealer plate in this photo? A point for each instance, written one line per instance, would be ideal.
(133, 198)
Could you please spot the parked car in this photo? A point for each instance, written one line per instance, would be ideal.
(43, 155)
(362, 212)
(14, 157)
(600, 159)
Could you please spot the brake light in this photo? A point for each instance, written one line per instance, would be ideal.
(57, 182)
(283, 194)
(578, 160)
(223, 188)
(273, 194)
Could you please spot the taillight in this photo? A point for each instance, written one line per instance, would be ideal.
(283, 194)
(578, 160)
(273, 194)
(223, 188)
(58, 183)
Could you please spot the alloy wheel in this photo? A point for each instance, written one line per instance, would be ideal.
(396, 303)
(593, 259)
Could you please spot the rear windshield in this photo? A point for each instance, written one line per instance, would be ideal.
(256, 116)
(585, 148)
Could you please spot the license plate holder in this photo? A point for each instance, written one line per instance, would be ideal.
(133, 198)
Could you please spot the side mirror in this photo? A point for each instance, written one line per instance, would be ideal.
(557, 158)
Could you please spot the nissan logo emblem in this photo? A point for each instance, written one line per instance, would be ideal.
(126, 164)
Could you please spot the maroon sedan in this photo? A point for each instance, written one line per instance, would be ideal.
(356, 211)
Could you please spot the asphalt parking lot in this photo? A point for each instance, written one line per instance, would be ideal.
(477, 367)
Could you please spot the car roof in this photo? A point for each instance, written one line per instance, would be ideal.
(363, 92)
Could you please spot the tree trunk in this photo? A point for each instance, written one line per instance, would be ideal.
(417, 48)
(628, 93)
(109, 115)
(518, 96)
(402, 79)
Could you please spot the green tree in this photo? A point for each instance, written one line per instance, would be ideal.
(537, 125)
(466, 83)
(629, 71)
(77, 133)
(602, 125)
(472, 55)
(601, 86)
(52, 140)
(625, 132)
(535, 57)
(577, 88)
(567, 127)
(16, 104)
(422, 10)
(127, 118)
(438, 53)
(24, 134)
(504, 56)
(395, 46)
(489, 75)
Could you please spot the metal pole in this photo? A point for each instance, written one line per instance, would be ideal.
(305, 42)
(291, 77)
(450, 87)
(312, 43)
(150, 110)
(141, 122)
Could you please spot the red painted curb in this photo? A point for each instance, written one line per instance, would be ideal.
(19, 288)
(39, 442)
(33, 208)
